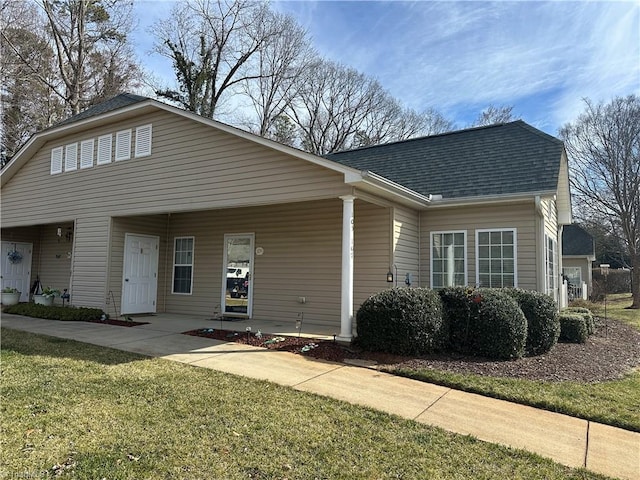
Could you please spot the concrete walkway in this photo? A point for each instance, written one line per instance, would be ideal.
(564, 439)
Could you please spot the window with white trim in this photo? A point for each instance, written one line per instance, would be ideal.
(573, 275)
(448, 259)
(183, 265)
(123, 145)
(496, 254)
(104, 149)
(71, 157)
(56, 160)
(143, 141)
(86, 153)
(551, 261)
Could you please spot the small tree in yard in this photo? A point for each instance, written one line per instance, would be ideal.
(603, 146)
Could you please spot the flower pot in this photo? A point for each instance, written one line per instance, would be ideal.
(10, 298)
(42, 300)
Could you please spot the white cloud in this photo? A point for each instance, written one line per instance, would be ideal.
(459, 56)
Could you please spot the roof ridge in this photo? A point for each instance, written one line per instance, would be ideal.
(436, 135)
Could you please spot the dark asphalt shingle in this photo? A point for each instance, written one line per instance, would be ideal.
(119, 101)
(577, 241)
(500, 159)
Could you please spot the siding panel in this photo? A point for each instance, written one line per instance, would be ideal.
(192, 166)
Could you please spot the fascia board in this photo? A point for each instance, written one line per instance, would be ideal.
(385, 186)
(487, 200)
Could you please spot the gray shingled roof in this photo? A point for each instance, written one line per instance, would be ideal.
(507, 158)
(577, 241)
(119, 101)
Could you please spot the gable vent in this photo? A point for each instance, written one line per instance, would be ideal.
(56, 160)
(104, 149)
(71, 157)
(123, 145)
(143, 141)
(86, 154)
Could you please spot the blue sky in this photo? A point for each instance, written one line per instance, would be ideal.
(460, 56)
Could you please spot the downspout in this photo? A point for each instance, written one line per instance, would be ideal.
(541, 273)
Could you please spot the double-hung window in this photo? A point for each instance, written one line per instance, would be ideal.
(551, 261)
(496, 258)
(448, 259)
(183, 265)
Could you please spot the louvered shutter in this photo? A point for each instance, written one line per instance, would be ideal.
(104, 149)
(56, 160)
(143, 141)
(123, 145)
(71, 157)
(86, 154)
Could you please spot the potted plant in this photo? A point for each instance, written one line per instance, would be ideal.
(10, 296)
(46, 297)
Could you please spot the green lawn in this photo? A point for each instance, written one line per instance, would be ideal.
(615, 402)
(616, 308)
(99, 413)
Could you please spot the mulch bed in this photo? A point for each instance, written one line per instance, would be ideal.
(608, 354)
(119, 323)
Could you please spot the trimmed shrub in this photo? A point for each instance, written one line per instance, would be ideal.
(404, 321)
(541, 312)
(586, 314)
(457, 309)
(53, 312)
(573, 328)
(501, 327)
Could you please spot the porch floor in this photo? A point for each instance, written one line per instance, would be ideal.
(178, 323)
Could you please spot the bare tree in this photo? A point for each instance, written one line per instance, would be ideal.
(603, 146)
(278, 64)
(26, 103)
(492, 115)
(331, 103)
(210, 42)
(89, 38)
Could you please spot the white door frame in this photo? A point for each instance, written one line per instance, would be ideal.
(225, 263)
(152, 296)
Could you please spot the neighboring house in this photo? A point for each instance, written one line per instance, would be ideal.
(137, 206)
(578, 255)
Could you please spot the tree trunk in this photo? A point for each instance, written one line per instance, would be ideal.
(635, 280)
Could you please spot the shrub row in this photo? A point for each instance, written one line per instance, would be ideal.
(493, 323)
(53, 312)
(576, 324)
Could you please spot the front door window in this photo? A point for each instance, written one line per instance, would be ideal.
(237, 288)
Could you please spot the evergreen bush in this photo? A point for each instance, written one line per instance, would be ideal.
(586, 314)
(500, 329)
(573, 328)
(457, 309)
(54, 312)
(543, 324)
(404, 321)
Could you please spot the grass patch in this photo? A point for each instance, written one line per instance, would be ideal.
(94, 412)
(614, 403)
(616, 308)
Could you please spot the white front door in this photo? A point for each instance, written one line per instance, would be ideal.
(237, 276)
(16, 268)
(140, 273)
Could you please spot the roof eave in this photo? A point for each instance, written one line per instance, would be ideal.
(368, 180)
(490, 199)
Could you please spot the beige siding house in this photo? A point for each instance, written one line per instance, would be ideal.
(136, 206)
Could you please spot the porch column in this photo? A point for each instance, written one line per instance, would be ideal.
(346, 310)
